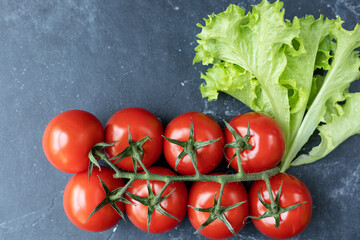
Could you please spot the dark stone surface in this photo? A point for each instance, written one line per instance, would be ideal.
(102, 56)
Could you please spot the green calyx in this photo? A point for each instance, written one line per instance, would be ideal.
(153, 202)
(240, 144)
(189, 147)
(217, 212)
(273, 208)
(97, 152)
(134, 150)
(111, 197)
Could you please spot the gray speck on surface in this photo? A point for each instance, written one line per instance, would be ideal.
(30, 219)
(350, 182)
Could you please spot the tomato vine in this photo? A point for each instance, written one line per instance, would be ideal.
(153, 201)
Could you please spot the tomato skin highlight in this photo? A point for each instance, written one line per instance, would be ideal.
(266, 138)
(293, 192)
(142, 123)
(175, 204)
(201, 195)
(81, 197)
(69, 137)
(205, 128)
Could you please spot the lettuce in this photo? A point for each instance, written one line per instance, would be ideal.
(298, 72)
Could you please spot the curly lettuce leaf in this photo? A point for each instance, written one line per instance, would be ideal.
(238, 83)
(257, 42)
(297, 71)
(336, 131)
(344, 69)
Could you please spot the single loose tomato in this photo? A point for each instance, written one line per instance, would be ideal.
(266, 138)
(174, 204)
(81, 196)
(69, 137)
(293, 191)
(205, 129)
(141, 123)
(202, 194)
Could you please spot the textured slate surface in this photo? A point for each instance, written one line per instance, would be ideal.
(102, 56)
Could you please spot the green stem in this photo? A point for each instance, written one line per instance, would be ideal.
(274, 205)
(123, 190)
(137, 156)
(162, 190)
(107, 161)
(186, 178)
(238, 159)
(218, 204)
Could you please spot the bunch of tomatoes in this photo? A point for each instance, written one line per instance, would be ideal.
(193, 144)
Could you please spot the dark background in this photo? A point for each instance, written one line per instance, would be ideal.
(102, 56)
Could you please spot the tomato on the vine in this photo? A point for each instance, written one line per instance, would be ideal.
(174, 204)
(141, 124)
(81, 197)
(293, 191)
(205, 129)
(69, 137)
(266, 138)
(201, 195)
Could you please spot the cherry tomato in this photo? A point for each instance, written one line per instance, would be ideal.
(69, 137)
(205, 128)
(81, 196)
(175, 204)
(293, 192)
(141, 123)
(266, 138)
(201, 195)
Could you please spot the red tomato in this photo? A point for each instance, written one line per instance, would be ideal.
(293, 192)
(205, 128)
(175, 204)
(69, 137)
(201, 195)
(266, 138)
(142, 123)
(81, 196)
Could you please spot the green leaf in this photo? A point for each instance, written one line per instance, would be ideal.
(238, 83)
(257, 42)
(298, 74)
(344, 70)
(100, 206)
(336, 131)
(210, 209)
(223, 218)
(148, 219)
(206, 223)
(117, 209)
(165, 213)
(297, 71)
(179, 157)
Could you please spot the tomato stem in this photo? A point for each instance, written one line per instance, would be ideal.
(218, 204)
(138, 158)
(240, 144)
(201, 177)
(273, 204)
(158, 197)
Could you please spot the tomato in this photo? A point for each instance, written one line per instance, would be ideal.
(81, 196)
(205, 128)
(175, 204)
(202, 194)
(266, 138)
(293, 192)
(141, 123)
(69, 137)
